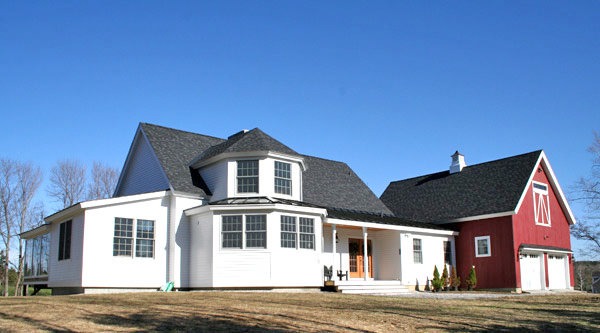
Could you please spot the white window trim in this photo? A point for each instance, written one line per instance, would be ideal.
(297, 233)
(237, 177)
(275, 178)
(542, 195)
(134, 239)
(244, 247)
(489, 247)
(420, 251)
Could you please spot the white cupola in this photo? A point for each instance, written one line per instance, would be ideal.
(458, 162)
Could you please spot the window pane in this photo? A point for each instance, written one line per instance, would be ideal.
(417, 254)
(144, 248)
(145, 229)
(256, 231)
(247, 176)
(482, 246)
(231, 234)
(288, 231)
(306, 233)
(123, 237)
(447, 253)
(283, 176)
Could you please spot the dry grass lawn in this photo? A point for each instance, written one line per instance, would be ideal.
(294, 312)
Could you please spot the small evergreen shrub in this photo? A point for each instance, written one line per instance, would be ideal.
(454, 279)
(436, 283)
(444, 278)
(472, 279)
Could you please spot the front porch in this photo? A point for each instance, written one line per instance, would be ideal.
(374, 254)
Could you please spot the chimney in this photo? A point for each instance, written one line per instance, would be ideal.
(458, 162)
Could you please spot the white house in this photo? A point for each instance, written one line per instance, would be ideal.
(245, 212)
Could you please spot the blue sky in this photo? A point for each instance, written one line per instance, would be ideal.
(391, 88)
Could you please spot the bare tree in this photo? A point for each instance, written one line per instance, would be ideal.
(103, 182)
(7, 214)
(67, 182)
(28, 178)
(588, 191)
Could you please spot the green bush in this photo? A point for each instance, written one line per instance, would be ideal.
(437, 282)
(472, 279)
(445, 278)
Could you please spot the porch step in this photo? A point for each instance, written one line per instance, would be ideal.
(371, 287)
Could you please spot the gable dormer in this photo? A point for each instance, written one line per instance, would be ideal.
(250, 164)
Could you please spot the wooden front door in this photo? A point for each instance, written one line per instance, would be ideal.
(357, 257)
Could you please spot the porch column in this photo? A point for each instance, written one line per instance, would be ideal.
(365, 254)
(333, 247)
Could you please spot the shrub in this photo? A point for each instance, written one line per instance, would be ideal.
(436, 282)
(445, 278)
(454, 279)
(472, 279)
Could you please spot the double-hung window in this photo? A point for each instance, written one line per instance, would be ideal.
(307, 233)
(144, 242)
(124, 240)
(482, 246)
(447, 253)
(417, 251)
(283, 178)
(288, 231)
(541, 204)
(64, 241)
(123, 237)
(247, 176)
(244, 231)
(300, 235)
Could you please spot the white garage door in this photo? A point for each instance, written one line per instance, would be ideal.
(557, 271)
(531, 271)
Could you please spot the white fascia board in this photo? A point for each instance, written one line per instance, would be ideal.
(537, 249)
(562, 200)
(372, 225)
(478, 217)
(127, 159)
(75, 209)
(276, 155)
(256, 207)
(187, 195)
(43, 229)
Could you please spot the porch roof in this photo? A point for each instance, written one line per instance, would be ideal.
(350, 215)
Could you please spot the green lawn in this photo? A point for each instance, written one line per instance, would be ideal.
(293, 312)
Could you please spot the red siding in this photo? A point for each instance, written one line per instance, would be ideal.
(527, 232)
(497, 270)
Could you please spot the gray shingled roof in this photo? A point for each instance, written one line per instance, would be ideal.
(254, 140)
(333, 184)
(174, 150)
(486, 188)
(325, 182)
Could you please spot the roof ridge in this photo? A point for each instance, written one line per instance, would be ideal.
(538, 151)
(182, 131)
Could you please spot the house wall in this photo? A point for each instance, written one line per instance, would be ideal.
(266, 179)
(180, 240)
(387, 256)
(215, 177)
(273, 266)
(497, 270)
(143, 174)
(103, 270)
(201, 251)
(66, 273)
(433, 255)
(527, 232)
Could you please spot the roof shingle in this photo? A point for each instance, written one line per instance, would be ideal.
(480, 189)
